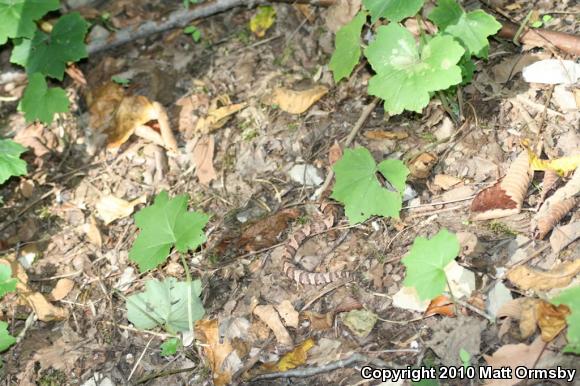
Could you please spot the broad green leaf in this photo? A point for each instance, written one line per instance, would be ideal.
(472, 28)
(165, 303)
(170, 346)
(406, 77)
(164, 224)
(49, 53)
(17, 17)
(393, 10)
(446, 12)
(7, 282)
(6, 340)
(10, 162)
(41, 102)
(426, 262)
(347, 52)
(571, 298)
(358, 188)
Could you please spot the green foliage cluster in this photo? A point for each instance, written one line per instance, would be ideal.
(409, 72)
(7, 284)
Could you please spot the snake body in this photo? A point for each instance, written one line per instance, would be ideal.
(297, 238)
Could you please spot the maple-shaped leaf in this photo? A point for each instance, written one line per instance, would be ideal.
(170, 346)
(392, 10)
(165, 303)
(17, 17)
(472, 28)
(164, 224)
(41, 102)
(6, 340)
(406, 74)
(571, 298)
(7, 282)
(358, 188)
(426, 262)
(49, 53)
(347, 52)
(10, 162)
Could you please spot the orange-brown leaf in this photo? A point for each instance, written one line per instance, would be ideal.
(551, 319)
(441, 305)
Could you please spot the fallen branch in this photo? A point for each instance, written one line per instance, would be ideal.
(311, 371)
(542, 38)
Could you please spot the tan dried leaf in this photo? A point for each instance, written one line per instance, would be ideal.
(527, 278)
(297, 102)
(514, 355)
(202, 157)
(551, 319)
(386, 134)
(110, 208)
(92, 232)
(218, 116)
(505, 198)
(340, 13)
(268, 315)
(44, 310)
(62, 289)
(562, 236)
(288, 313)
(216, 350)
(421, 165)
(334, 153)
(445, 181)
(319, 322)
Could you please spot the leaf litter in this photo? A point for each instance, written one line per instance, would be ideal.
(230, 156)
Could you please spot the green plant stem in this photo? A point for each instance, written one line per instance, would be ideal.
(521, 28)
(188, 278)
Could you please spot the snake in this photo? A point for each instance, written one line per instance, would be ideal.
(296, 238)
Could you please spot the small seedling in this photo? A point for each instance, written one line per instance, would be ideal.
(539, 23)
(194, 32)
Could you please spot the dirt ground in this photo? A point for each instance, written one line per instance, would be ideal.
(240, 173)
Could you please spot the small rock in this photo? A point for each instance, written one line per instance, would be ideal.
(306, 175)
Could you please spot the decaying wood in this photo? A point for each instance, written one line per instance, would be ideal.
(538, 37)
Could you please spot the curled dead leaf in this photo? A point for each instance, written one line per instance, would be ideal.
(297, 102)
(505, 198)
(527, 278)
(110, 208)
(318, 322)
(441, 305)
(215, 350)
(420, 166)
(551, 319)
(334, 153)
(296, 357)
(288, 313)
(340, 13)
(220, 111)
(385, 134)
(202, 157)
(562, 236)
(523, 310)
(62, 289)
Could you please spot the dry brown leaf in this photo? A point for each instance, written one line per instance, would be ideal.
(110, 208)
(216, 350)
(268, 315)
(202, 157)
(441, 305)
(334, 153)
(340, 13)
(288, 313)
(524, 310)
(62, 289)
(307, 11)
(217, 117)
(44, 310)
(505, 198)
(189, 104)
(511, 66)
(318, 322)
(297, 102)
(348, 304)
(562, 236)
(421, 165)
(92, 232)
(385, 134)
(527, 278)
(551, 319)
(296, 357)
(37, 137)
(548, 219)
(445, 181)
(514, 355)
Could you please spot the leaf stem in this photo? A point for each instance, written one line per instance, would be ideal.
(189, 289)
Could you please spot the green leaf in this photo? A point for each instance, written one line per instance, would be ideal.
(347, 52)
(358, 188)
(406, 76)
(571, 298)
(40, 102)
(194, 32)
(7, 282)
(120, 80)
(170, 346)
(472, 28)
(48, 54)
(446, 12)
(393, 10)
(6, 340)
(426, 262)
(164, 224)
(165, 303)
(10, 162)
(17, 17)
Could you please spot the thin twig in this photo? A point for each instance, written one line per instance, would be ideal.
(355, 129)
(140, 358)
(311, 371)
